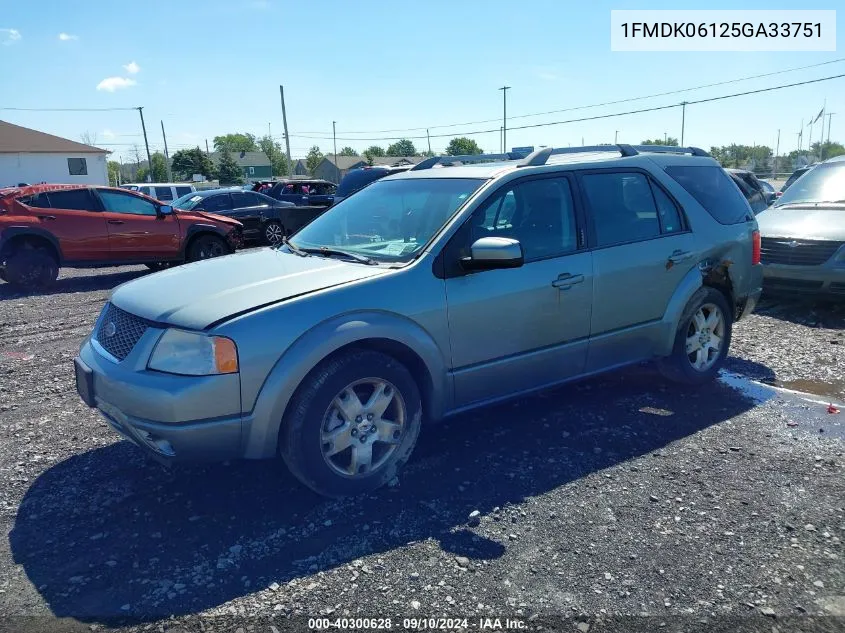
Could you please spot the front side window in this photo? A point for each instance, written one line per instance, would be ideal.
(389, 220)
(77, 166)
(823, 183)
(117, 202)
(217, 203)
(622, 207)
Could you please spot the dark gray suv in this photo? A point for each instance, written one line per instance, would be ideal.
(425, 294)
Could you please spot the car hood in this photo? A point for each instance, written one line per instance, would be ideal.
(210, 216)
(196, 295)
(803, 222)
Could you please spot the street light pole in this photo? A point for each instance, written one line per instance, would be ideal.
(683, 120)
(334, 141)
(504, 90)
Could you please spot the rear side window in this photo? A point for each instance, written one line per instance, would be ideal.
(182, 191)
(217, 203)
(622, 207)
(146, 191)
(164, 193)
(76, 199)
(40, 201)
(714, 190)
(358, 178)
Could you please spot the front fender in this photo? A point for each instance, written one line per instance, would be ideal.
(691, 282)
(261, 426)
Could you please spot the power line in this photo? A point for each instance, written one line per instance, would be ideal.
(590, 118)
(597, 105)
(68, 109)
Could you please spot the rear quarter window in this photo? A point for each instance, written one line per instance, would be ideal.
(714, 190)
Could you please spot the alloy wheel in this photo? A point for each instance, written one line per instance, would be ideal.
(363, 426)
(705, 335)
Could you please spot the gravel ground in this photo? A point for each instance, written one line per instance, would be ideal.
(618, 496)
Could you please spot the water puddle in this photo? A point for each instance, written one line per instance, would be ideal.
(834, 389)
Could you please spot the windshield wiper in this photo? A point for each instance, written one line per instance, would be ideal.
(293, 249)
(329, 252)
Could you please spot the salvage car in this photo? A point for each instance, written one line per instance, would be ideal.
(426, 294)
(47, 227)
(803, 234)
(264, 219)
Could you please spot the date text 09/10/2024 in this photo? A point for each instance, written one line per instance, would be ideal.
(417, 624)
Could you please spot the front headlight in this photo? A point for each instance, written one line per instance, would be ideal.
(192, 354)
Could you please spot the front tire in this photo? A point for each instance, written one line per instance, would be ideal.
(702, 340)
(207, 247)
(352, 424)
(31, 268)
(274, 232)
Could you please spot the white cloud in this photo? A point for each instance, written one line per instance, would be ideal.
(9, 36)
(132, 68)
(67, 37)
(110, 84)
(546, 73)
(108, 134)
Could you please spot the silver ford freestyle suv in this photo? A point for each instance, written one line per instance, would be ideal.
(425, 294)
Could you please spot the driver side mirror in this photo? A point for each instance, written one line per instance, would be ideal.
(165, 210)
(491, 253)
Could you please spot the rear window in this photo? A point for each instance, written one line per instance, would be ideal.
(358, 178)
(714, 190)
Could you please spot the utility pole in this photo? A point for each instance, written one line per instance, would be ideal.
(149, 158)
(829, 117)
(166, 154)
(501, 142)
(504, 90)
(334, 141)
(269, 133)
(801, 136)
(207, 153)
(775, 162)
(683, 120)
(285, 123)
(615, 137)
(665, 138)
(119, 170)
(428, 136)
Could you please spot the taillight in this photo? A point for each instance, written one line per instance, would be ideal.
(755, 248)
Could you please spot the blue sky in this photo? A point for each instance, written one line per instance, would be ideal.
(214, 66)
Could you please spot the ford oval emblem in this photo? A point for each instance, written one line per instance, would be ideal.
(109, 329)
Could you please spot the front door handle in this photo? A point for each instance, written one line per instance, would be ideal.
(679, 256)
(566, 281)
(116, 222)
(46, 217)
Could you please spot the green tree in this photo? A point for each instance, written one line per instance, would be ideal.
(402, 148)
(273, 150)
(827, 150)
(314, 158)
(374, 150)
(114, 173)
(159, 168)
(235, 143)
(347, 151)
(369, 158)
(463, 146)
(228, 171)
(187, 162)
(671, 140)
(754, 157)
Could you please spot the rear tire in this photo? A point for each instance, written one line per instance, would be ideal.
(274, 232)
(352, 424)
(207, 247)
(31, 268)
(707, 321)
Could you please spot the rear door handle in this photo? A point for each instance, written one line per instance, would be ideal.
(46, 217)
(679, 256)
(566, 280)
(115, 221)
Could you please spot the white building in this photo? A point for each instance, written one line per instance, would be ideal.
(29, 156)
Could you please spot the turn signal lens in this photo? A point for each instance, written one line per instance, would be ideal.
(225, 355)
(755, 248)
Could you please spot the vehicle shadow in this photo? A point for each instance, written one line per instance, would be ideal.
(87, 283)
(109, 537)
(814, 312)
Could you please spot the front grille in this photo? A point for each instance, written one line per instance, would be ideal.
(119, 331)
(776, 250)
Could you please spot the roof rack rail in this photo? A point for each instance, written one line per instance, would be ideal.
(446, 161)
(541, 156)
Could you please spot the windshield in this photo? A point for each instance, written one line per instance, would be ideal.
(823, 183)
(187, 202)
(390, 220)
